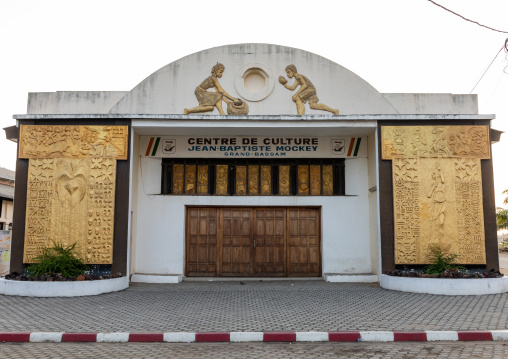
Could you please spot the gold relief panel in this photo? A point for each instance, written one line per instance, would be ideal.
(435, 142)
(315, 180)
(38, 141)
(470, 209)
(406, 203)
(438, 201)
(241, 180)
(71, 201)
(303, 180)
(327, 180)
(190, 179)
(253, 180)
(284, 180)
(222, 180)
(266, 180)
(202, 179)
(178, 179)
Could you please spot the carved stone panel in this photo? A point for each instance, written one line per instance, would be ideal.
(37, 141)
(71, 201)
(315, 180)
(406, 204)
(222, 180)
(327, 180)
(253, 180)
(241, 180)
(470, 225)
(266, 180)
(202, 179)
(435, 142)
(284, 180)
(190, 179)
(438, 201)
(303, 180)
(178, 179)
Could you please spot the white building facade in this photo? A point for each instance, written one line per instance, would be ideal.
(263, 190)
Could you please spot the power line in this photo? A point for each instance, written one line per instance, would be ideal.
(506, 56)
(474, 22)
(505, 47)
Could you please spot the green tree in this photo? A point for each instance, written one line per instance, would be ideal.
(502, 218)
(502, 213)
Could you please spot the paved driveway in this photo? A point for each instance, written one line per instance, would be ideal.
(254, 306)
(408, 350)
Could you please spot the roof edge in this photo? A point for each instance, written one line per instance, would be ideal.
(254, 118)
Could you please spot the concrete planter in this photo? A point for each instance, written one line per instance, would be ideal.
(474, 286)
(62, 289)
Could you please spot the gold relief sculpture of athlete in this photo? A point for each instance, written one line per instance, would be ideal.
(209, 99)
(306, 92)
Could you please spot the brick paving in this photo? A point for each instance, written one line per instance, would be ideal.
(254, 306)
(254, 350)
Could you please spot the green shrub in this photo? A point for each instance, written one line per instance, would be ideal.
(441, 262)
(502, 218)
(57, 259)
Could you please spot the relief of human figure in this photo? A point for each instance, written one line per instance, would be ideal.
(306, 92)
(210, 99)
(438, 209)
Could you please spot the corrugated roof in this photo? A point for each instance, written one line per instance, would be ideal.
(7, 174)
(6, 191)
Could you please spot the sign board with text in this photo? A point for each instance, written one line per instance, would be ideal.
(254, 147)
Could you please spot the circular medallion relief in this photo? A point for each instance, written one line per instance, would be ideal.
(254, 82)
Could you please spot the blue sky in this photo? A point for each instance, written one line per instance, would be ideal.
(395, 45)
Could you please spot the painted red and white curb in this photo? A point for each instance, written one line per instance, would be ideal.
(209, 337)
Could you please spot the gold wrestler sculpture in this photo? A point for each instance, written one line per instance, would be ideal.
(209, 99)
(306, 92)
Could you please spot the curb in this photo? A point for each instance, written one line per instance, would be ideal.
(211, 337)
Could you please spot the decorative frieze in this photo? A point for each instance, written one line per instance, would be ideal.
(38, 141)
(435, 142)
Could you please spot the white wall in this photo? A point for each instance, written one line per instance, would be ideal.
(6, 212)
(134, 158)
(375, 239)
(433, 103)
(171, 89)
(74, 102)
(160, 229)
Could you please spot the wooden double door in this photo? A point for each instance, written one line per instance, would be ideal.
(253, 242)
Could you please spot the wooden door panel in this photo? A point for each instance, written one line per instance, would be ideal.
(220, 242)
(269, 242)
(202, 242)
(304, 258)
(236, 242)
